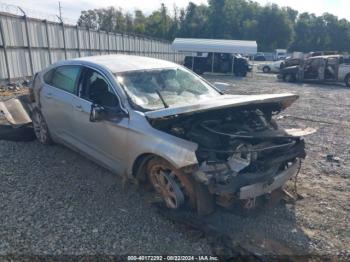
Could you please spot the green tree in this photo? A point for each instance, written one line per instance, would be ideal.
(274, 29)
(194, 21)
(158, 24)
(139, 22)
(270, 25)
(216, 23)
(89, 19)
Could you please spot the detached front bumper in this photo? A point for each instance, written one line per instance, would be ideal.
(259, 189)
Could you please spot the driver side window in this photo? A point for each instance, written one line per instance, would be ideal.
(94, 88)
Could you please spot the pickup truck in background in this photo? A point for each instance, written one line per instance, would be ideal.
(223, 63)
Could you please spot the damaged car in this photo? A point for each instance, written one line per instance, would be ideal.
(328, 68)
(155, 122)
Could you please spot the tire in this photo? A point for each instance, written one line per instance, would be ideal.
(347, 80)
(289, 78)
(24, 133)
(40, 128)
(266, 69)
(183, 192)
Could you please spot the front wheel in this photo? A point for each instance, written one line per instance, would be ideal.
(40, 128)
(174, 187)
(266, 69)
(347, 80)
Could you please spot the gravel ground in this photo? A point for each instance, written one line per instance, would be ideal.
(54, 201)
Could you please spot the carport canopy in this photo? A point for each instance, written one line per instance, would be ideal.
(215, 46)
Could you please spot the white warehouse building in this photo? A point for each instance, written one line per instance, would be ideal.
(215, 46)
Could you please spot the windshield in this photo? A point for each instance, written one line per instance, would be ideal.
(155, 89)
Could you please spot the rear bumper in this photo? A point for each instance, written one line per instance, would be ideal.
(259, 189)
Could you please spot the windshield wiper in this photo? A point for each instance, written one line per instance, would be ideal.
(161, 98)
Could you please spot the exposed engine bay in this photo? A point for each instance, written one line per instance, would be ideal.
(237, 147)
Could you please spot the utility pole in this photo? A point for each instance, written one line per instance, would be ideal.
(60, 10)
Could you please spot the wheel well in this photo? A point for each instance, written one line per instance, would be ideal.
(346, 80)
(138, 167)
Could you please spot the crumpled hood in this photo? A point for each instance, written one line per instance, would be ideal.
(225, 101)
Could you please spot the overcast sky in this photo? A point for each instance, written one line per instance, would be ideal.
(71, 8)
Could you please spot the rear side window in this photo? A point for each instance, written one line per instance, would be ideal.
(48, 76)
(65, 78)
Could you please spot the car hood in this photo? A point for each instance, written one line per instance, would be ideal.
(225, 101)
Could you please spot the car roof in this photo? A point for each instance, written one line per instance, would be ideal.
(122, 63)
(325, 56)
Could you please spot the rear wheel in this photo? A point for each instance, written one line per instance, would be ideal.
(40, 128)
(347, 80)
(266, 69)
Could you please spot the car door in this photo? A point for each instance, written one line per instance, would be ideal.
(56, 99)
(104, 140)
(332, 67)
(314, 69)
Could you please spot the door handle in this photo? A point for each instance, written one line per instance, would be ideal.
(79, 108)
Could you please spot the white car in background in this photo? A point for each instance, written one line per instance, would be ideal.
(272, 67)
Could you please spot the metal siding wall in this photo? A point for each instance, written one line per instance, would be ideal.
(71, 37)
(37, 34)
(14, 31)
(3, 72)
(85, 53)
(52, 46)
(94, 40)
(84, 39)
(55, 35)
(57, 55)
(40, 59)
(72, 54)
(19, 62)
(112, 42)
(119, 38)
(104, 41)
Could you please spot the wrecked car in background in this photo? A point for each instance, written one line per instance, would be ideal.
(156, 122)
(272, 67)
(329, 68)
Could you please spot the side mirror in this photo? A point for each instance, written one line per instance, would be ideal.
(96, 112)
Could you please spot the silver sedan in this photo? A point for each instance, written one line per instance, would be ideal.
(157, 122)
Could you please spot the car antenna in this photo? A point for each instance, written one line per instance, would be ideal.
(161, 98)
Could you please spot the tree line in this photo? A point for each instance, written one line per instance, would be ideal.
(270, 25)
